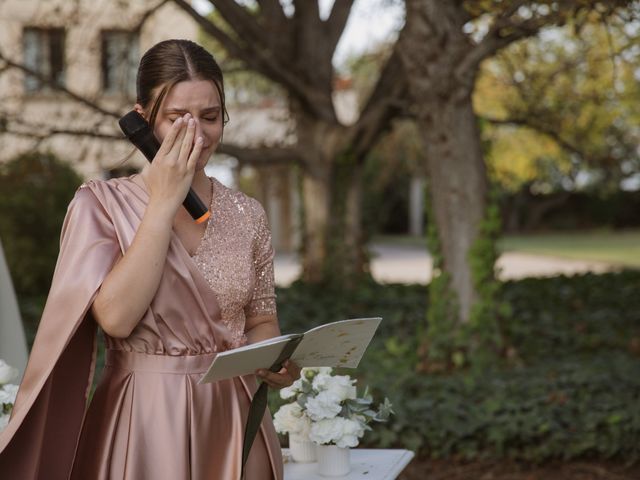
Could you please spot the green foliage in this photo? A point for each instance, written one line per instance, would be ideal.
(570, 390)
(571, 210)
(397, 157)
(579, 407)
(565, 317)
(602, 245)
(345, 251)
(302, 306)
(484, 334)
(478, 342)
(441, 342)
(35, 190)
(566, 104)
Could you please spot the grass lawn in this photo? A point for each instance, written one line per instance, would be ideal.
(621, 247)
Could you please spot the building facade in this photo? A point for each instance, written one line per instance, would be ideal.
(92, 49)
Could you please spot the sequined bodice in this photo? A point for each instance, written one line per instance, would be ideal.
(236, 258)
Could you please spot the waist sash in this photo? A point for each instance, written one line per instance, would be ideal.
(144, 362)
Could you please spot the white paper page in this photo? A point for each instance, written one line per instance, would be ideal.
(243, 361)
(252, 346)
(337, 344)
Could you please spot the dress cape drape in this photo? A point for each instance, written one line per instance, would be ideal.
(41, 439)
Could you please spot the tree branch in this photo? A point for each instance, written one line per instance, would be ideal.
(307, 9)
(210, 28)
(145, 16)
(545, 129)
(276, 23)
(517, 28)
(62, 131)
(272, 9)
(338, 20)
(261, 155)
(494, 41)
(276, 27)
(384, 103)
(241, 20)
(259, 60)
(54, 85)
(42, 132)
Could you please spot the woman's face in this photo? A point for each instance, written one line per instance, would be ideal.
(200, 98)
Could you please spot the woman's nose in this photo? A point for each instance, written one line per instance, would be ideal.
(199, 131)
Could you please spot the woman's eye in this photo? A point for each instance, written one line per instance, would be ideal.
(210, 119)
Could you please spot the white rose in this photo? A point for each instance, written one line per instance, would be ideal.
(4, 420)
(291, 419)
(341, 385)
(324, 405)
(339, 430)
(309, 372)
(326, 431)
(291, 391)
(7, 372)
(8, 393)
(352, 431)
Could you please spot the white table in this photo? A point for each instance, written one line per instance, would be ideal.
(370, 464)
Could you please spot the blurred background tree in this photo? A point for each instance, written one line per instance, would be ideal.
(570, 97)
(35, 190)
(293, 46)
(442, 47)
(559, 116)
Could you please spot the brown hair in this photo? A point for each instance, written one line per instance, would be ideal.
(170, 62)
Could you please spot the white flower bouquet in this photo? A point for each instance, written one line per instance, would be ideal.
(327, 409)
(8, 392)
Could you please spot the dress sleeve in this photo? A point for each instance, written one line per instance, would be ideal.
(88, 227)
(263, 300)
(62, 360)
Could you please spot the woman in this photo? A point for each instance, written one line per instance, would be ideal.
(168, 293)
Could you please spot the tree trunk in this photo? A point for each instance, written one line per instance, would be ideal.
(315, 201)
(354, 233)
(346, 258)
(434, 46)
(458, 190)
(332, 247)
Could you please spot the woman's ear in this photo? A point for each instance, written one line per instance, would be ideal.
(138, 108)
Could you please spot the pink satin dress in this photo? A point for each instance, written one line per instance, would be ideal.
(149, 418)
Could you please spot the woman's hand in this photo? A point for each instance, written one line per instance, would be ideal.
(171, 172)
(125, 295)
(288, 374)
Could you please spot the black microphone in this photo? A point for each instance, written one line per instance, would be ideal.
(137, 130)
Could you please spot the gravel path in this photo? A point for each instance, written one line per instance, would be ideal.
(409, 264)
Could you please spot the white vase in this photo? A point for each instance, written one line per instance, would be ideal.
(333, 461)
(301, 448)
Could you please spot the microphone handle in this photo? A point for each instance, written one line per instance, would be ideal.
(196, 208)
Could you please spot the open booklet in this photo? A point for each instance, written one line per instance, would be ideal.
(336, 344)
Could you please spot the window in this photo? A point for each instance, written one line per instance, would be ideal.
(44, 53)
(119, 62)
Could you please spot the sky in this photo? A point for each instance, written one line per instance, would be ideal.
(371, 23)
